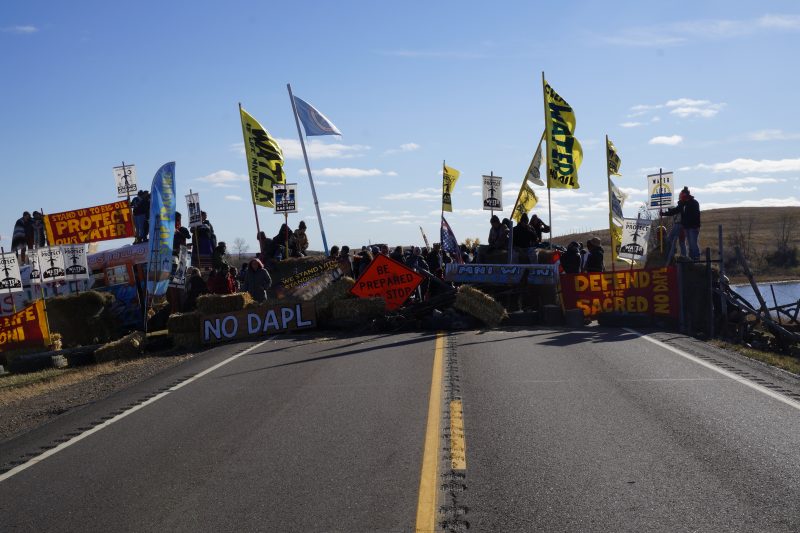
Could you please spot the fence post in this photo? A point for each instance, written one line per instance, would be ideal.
(710, 282)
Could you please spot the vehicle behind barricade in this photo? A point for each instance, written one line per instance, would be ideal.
(121, 272)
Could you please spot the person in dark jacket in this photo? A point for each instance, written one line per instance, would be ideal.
(218, 261)
(39, 234)
(257, 281)
(19, 239)
(498, 235)
(690, 219)
(594, 259)
(538, 226)
(571, 259)
(195, 286)
(181, 236)
(280, 240)
(524, 237)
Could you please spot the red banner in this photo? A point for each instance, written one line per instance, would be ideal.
(92, 224)
(653, 291)
(24, 329)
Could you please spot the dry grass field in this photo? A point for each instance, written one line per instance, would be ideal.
(758, 231)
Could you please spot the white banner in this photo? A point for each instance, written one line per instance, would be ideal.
(492, 193)
(51, 264)
(178, 278)
(659, 191)
(75, 261)
(193, 208)
(285, 198)
(125, 176)
(10, 277)
(635, 236)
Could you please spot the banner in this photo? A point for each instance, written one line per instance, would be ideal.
(193, 208)
(162, 229)
(178, 278)
(613, 158)
(75, 261)
(565, 152)
(526, 201)
(635, 236)
(51, 264)
(492, 193)
(285, 198)
(653, 292)
(305, 278)
(502, 274)
(533, 170)
(10, 277)
(617, 201)
(25, 329)
(449, 179)
(449, 242)
(659, 191)
(92, 224)
(616, 240)
(258, 322)
(264, 160)
(125, 178)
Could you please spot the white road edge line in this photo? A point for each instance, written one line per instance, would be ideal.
(64, 445)
(715, 368)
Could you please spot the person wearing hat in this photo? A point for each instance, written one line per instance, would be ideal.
(300, 240)
(498, 235)
(39, 236)
(571, 259)
(690, 219)
(594, 259)
(19, 239)
(684, 216)
(218, 261)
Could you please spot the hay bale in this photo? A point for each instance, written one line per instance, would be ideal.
(480, 305)
(338, 290)
(127, 347)
(184, 323)
(213, 304)
(85, 318)
(189, 341)
(358, 309)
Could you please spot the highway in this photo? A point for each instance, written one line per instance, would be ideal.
(502, 430)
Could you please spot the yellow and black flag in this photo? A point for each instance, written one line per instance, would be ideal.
(449, 179)
(264, 160)
(613, 158)
(565, 154)
(526, 201)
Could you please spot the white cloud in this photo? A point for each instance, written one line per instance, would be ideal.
(791, 201)
(348, 172)
(428, 193)
(21, 30)
(752, 165)
(233, 197)
(632, 191)
(473, 187)
(325, 182)
(670, 140)
(223, 178)
(341, 207)
(407, 147)
(784, 22)
(433, 54)
(316, 149)
(772, 135)
(632, 124)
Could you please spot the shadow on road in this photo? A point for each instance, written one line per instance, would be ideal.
(569, 338)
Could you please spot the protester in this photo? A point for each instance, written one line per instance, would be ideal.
(690, 219)
(539, 227)
(195, 286)
(571, 259)
(207, 223)
(433, 257)
(334, 252)
(594, 258)
(284, 236)
(218, 261)
(397, 254)
(181, 236)
(233, 274)
(524, 238)
(416, 261)
(205, 242)
(301, 240)
(677, 233)
(498, 235)
(141, 211)
(383, 250)
(19, 239)
(266, 246)
(39, 234)
(364, 260)
(257, 281)
(346, 261)
(221, 282)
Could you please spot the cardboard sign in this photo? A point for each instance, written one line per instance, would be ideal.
(92, 224)
(492, 193)
(501, 274)
(386, 278)
(285, 198)
(635, 236)
(51, 264)
(653, 292)
(10, 277)
(75, 261)
(125, 177)
(256, 322)
(25, 329)
(659, 191)
(180, 265)
(305, 279)
(193, 208)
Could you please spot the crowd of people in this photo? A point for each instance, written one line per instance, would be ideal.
(29, 233)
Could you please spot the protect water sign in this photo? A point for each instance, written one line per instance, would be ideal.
(659, 191)
(492, 193)
(386, 278)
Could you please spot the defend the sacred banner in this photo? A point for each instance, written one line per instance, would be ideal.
(91, 224)
(25, 329)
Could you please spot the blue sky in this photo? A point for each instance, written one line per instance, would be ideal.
(705, 89)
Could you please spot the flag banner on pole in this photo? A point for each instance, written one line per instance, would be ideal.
(565, 152)
(314, 122)
(613, 158)
(616, 240)
(617, 201)
(449, 179)
(264, 160)
(163, 202)
(449, 242)
(526, 201)
(533, 170)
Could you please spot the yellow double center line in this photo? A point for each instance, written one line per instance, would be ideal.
(428, 486)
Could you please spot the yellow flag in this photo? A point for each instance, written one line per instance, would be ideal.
(616, 240)
(564, 151)
(449, 179)
(264, 160)
(526, 201)
(613, 158)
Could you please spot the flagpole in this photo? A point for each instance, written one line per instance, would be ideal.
(547, 163)
(308, 169)
(610, 213)
(252, 196)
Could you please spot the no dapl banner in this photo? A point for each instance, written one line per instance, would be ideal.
(285, 198)
(492, 193)
(51, 263)
(25, 329)
(75, 261)
(564, 151)
(91, 224)
(10, 277)
(264, 160)
(193, 208)
(659, 191)
(125, 176)
(635, 236)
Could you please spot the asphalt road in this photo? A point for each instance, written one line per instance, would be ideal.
(526, 430)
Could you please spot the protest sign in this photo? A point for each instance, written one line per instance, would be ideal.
(659, 191)
(92, 224)
(75, 261)
(635, 236)
(178, 278)
(648, 291)
(125, 177)
(492, 193)
(306, 277)
(386, 278)
(193, 208)
(51, 264)
(501, 274)
(10, 277)
(258, 321)
(285, 198)
(25, 329)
